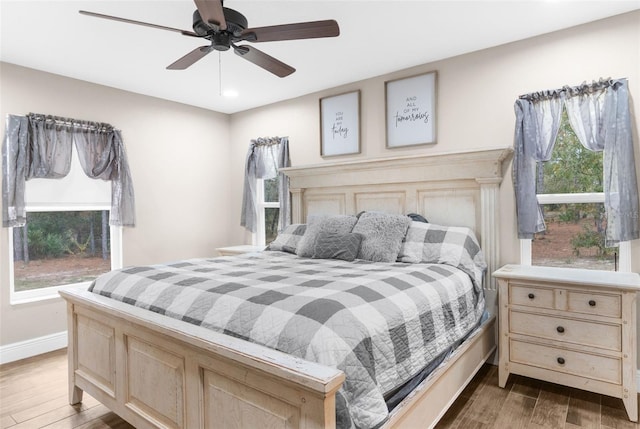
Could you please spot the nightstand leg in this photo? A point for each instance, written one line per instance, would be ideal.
(503, 376)
(631, 405)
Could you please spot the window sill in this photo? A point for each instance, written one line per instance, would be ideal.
(41, 295)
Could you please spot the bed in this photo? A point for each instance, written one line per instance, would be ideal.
(160, 371)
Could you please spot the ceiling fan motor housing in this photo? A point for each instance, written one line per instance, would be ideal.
(236, 22)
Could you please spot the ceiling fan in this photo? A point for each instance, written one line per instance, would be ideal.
(224, 28)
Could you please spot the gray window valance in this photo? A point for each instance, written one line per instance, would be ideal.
(599, 114)
(40, 146)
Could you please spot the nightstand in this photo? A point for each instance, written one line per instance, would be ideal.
(570, 326)
(239, 250)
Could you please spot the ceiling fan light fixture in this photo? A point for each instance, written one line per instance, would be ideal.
(230, 93)
(221, 41)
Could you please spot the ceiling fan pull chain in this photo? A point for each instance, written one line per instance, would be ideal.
(220, 72)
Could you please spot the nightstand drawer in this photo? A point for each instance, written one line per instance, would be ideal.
(582, 364)
(531, 296)
(593, 303)
(568, 330)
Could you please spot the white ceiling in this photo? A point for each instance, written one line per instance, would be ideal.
(377, 37)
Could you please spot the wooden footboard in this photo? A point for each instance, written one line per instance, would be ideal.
(155, 371)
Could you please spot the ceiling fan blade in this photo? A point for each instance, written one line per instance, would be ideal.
(300, 30)
(190, 58)
(211, 11)
(263, 60)
(131, 21)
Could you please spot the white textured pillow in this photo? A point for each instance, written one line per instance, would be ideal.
(383, 234)
(339, 224)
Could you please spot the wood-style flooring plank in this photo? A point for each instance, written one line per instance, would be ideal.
(6, 421)
(487, 403)
(79, 419)
(584, 409)
(526, 386)
(106, 421)
(516, 412)
(551, 408)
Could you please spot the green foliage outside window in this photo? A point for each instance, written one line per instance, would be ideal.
(60, 247)
(271, 213)
(575, 169)
(572, 168)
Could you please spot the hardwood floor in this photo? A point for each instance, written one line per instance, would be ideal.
(531, 404)
(33, 394)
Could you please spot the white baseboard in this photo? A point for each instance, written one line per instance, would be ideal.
(33, 347)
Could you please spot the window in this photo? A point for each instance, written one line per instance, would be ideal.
(67, 240)
(570, 192)
(268, 208)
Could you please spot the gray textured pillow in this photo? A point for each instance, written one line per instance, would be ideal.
(383, 234)
(340, 224)
(288, 239)
(330, 245)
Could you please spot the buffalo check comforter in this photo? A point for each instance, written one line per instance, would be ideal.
(380, 323)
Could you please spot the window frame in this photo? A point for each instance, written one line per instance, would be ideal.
(51, 292)
(624, 249)
(259, 237)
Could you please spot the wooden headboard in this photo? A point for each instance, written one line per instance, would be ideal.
(453, 189)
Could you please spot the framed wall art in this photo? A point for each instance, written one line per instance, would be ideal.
(340, 124)
(411, 110)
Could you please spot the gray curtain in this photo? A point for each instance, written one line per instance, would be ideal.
(537, 125)
(264, 159)
(39, 146)
(600, 116)
(14, 166)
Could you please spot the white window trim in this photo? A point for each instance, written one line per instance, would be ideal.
(46, 293)
(624, 249)
(259, 237)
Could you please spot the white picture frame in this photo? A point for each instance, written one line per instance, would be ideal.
(340, 124)
(410, 109)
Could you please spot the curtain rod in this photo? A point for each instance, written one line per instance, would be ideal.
(584, 88)
(76, 123)
(267, 141)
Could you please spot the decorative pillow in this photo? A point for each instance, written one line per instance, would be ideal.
(383, 234)
(331, 245)
(451, 245)
(288, 239)
(340, 224)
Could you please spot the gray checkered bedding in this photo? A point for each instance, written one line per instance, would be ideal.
(380, 323)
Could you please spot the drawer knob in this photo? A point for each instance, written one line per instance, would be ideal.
(561, 361)
(592, 303)
(531, 296)
(560, 329)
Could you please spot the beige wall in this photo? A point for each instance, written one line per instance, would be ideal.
(476, 93)
(187, 163)
(179, 158)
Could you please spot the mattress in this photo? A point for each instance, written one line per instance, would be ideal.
(380, 323)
